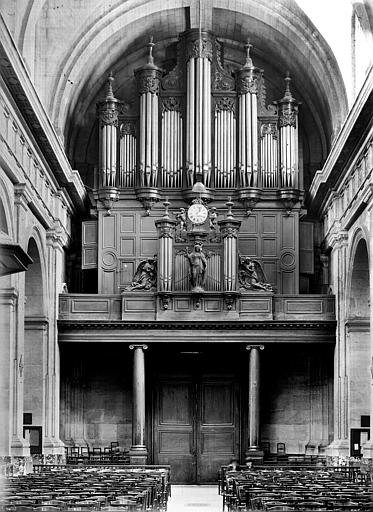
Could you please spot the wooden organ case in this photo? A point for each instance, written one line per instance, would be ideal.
(198, 134)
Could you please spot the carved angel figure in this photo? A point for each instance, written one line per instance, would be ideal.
(213, 219)
(181, 218)
(145, 277)
(251, 275)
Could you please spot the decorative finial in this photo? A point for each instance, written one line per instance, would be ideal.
(248, 62)
(229, 205)
(150, 46)
(109, 95)
(288, 95)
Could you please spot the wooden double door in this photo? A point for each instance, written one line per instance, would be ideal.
(196, 422)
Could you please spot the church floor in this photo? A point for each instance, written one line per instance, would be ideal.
(195, 498)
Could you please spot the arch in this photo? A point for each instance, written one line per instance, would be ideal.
(358, 289)
(34, 282)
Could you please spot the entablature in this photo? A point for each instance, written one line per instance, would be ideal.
(232, 308)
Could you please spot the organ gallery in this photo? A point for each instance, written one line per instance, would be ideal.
(195, 241)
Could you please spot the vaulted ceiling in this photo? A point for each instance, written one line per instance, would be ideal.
(71, 46)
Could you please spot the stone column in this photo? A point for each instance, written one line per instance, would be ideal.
(340, 446)
(138, 452)
(254, 453)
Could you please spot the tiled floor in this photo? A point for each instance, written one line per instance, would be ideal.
(195, 498)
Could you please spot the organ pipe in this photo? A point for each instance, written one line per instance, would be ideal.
(225, 142)
(269, 155)
(148, 78)
(198, 139)
(108, 111)
(288, 135)
(172, 143)
(247, 88)
(127, 154)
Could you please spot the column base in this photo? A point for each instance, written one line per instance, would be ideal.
(53, 447)
(19, 447)
(338, 448)
(254, 456)
(138, 455)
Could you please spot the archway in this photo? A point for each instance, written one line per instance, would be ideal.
(358, 348)
(34, 352)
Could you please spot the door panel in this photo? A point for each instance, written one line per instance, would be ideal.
(174, 428)
(196, 425)
(218, 438)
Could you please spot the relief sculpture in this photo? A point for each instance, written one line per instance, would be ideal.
(198, 263)
(251, 275)
(145, 277)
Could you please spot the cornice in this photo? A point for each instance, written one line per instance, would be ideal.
(66, 325)
(17, 79)
(358, 120)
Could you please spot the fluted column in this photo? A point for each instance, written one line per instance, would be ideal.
(166, 233)
(254, 452)
(198, 135)
(247, 88)
(288, 134)
(229, 230)
(138, 452)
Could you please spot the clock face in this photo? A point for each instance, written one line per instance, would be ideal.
(197, 213)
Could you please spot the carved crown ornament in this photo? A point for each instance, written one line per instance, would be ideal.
(172, 103)
(225, 103)
(148, 83)
(288, 118)
(199, 48)
(108, 116)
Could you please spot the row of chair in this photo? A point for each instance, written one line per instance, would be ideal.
(295, 489)
(96, 455)
(88, 488)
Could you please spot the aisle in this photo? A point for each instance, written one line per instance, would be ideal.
(195, 498)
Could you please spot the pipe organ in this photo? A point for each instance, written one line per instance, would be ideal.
(199, 123)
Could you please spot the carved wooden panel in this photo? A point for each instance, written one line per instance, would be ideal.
(89, 244)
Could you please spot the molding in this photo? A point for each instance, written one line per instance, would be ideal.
(359, 118)
(66, 325)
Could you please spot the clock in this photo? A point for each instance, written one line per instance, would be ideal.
(197, 213)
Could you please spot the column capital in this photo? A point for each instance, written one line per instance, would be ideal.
(259, 347)
(139, 345)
